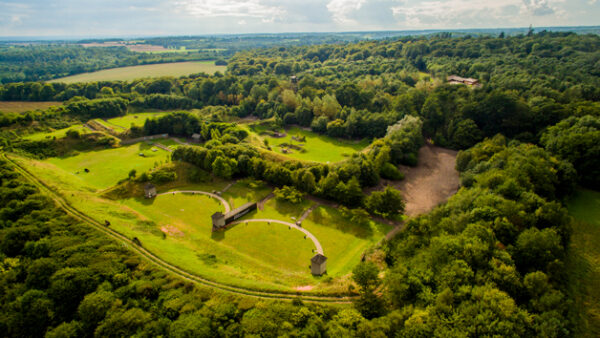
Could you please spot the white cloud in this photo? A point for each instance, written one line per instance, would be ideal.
(539, 7)
(341, 9)
(235, 8)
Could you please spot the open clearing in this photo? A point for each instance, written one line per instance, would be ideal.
(59, 133)
(137, 119)
(431, 182)
(583, 262)
(177, 227)
(23, 106)
(317, 148)
(175, 69)
(106, 167)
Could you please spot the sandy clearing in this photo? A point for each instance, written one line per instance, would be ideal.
(431, 182)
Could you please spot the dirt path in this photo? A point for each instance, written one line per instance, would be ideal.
(431, 182)
(312, 237)
(193, 192)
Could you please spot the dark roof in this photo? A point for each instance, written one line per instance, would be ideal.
(240, 209)
(318, 259)
(217, 215)
(149, 186)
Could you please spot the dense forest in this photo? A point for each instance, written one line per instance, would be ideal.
(489, 262)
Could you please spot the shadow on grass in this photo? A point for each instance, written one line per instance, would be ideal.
(333, 219)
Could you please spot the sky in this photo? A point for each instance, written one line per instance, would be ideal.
(129, 18)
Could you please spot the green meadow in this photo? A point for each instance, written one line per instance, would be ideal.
(316, 148)
(175, 69)
(59, 133)
(177, 227)
(108, 166)
(136, 119)
(583, 262)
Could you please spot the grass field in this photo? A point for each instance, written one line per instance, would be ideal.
(60, 133)
(176, 69)
(137, 119)
(23, 106)
(109, 166)
(178, 227)
(584, 261)
(318, 148)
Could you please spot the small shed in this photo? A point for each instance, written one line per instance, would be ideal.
(293, 79)
(149, 190)
(218, 220)
(318, 265)
(196, 137)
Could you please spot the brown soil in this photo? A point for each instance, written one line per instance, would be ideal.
(172, 231)
(431, 182)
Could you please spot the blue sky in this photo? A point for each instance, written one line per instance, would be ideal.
(94, 18)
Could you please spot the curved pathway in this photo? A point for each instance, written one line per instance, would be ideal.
(221, 199)
(70, 210)
(306, 232)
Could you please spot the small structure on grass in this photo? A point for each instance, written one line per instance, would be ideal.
(149, 190)
(318, 265)
(220, 220)
(196, 137)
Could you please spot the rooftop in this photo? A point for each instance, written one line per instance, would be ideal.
(318, 259)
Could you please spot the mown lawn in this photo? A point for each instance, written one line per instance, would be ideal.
(583, 263)
(137, 119)
(108, 166)
(175, 69)
(317, 148)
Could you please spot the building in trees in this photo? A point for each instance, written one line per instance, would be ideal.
(318, 264)
(149, 190)
(220, 220)
(454, 79)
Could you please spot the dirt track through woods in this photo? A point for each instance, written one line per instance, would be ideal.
(431, 182)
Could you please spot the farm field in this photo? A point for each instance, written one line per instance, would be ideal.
(59, 133)
(318, 148)
(122, 160)
(584, 260)
(23, 106)
(175, 69)
(137, 119)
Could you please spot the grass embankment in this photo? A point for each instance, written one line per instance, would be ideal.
(584, 261)
(175, 69)
(316, 148)
(23, 106)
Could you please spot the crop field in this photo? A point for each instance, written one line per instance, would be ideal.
(106, 167)
(59, 133)
(24, 106)
(584, 260)
(175, 69)
(137, 119)
(316, 148)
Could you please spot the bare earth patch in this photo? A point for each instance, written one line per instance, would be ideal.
(304, 288)
(171, 231)
(431, 182)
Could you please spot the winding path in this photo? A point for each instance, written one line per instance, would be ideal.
(306, 232)
(193, 192)
(171, 268)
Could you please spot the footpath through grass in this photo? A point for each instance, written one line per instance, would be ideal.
(175, 69)
(583, 263)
